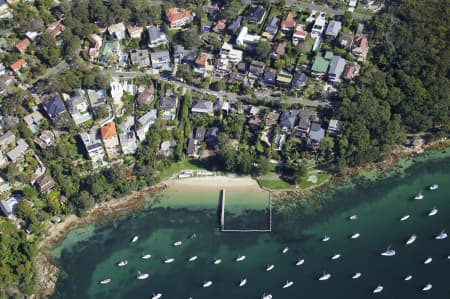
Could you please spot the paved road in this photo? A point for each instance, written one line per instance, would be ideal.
(265, 95)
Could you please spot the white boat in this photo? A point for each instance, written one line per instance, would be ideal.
(406, 217)
(177, 243)
(428, 260)
(378, 289)
(442, 235)
(169, 260)
(156, 296)
(326, 238)
(269, 268)
(325, 276)
(122, 263)
(355, 236)
(285, 249)
(356, 275)
(427, 287)
(336, 256)
(353, 217)
(389, 252)
(141, 276)
(192, 258)
(408, 278)
(268, 296)
(288, 284)
(105, 281)
(419, 196)
(217, 261)
(207, 284)
(434, 187)
(240, 258)
(146, 256)
(300, 262)
(433, 211)
(411, 239)
(243, 282)
(134, 239)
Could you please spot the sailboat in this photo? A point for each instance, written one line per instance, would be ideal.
(433, 211)
(355, 236)
(134, 239)
(285, 249)
(411, 239)
(268, 296)
(269, 268)
(409, 277)
(240, 258)
(217, 261)
(168, 260)
(300, 262)
(389, 252)
(156, 296)
(243, 282)
(419, 196)
(288, 284)
(122, 263)
(336, 256)
(406, 217)
(378, 289)
(192, 258)
(141, 276)
(428, 260)
(146, 256)
(326, 238)
(105, 281)
(442, 235)
(356, 275)
(325, 276)
(434, 187)
(427, 287)
(353, 217)
(207, 284)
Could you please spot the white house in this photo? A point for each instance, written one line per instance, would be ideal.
(245, 38)
(318, 27)
(118, 30)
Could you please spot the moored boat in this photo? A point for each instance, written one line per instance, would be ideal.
(146, 256)
(288, 284)
(325, 276)
(427, 287)
(168, 260)
(355, 236)
(434, 187)
(177, 243)
(134, 239)
(268, 296)
(442, 235)
(326, 238)
(411, 239)
(378, 289)
(217, 261)
(419, 196)
(243, 282)
(428, 260)
(105, 281)
(433, 211)
(192, 236)
(356, 275)
(406, 217)
(240, 258)
(207, 284)
(156, 295)
(122, 263)
(285, 249)
(192, 258)
(336, 256)
(389, 252)
(142, 276)
(300, 262)
(269, 268)
(408, 277)
(353, 217)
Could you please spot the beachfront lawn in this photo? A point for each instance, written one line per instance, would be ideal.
(313, 179)
(274, 184)
(179, 166)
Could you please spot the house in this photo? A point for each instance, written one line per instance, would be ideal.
(256, 69)
(299, 34)
(359, 29)
(235, 25)
(155, 36)
(167, 147)
(18, 65)
(318, 27)
(19, 151)
(9, 206)
(200, 134)
(337, 66)
(299, 81)
(245, 38)
(2, 69)
(110, 139)
(220, 26)
(145, 122)
(316, 134)
(228, 58)
(284, 78)
(135, 32)
(160, 59)
(54, 107)
(201, 63)
(31, 35)
(288, 23)
(360, 47)
(22, 45)
(33, 121)
(147, 96)
(333, 29)
(140, 57)
(78, 107)
(272, 26)
(127, 136)
(352, 3)
(55, 28)
(117, 30)
(304, 123)
(7, 139)
(45, 183)
(109, 52)
(94, 148)
(270, 76)
(178, 53)
(349, 72)
(256, 15)
(178, 17)
(4, 186)
(168, 106)
(319, 67)
(212, 137)
(45, 139)
(96, 44)
(345, 40)
(279, 49)
(328, 55)
(335, 127)
(288, 119)
(202, 107)
(3, 5)
(192, 150)
(220, 105)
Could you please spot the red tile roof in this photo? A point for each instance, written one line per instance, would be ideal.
(220, 26)
(22, 45)
(201, 59)
(18, 64)
(55, 28)
(108, 130)
(175, 14)
(288, 22)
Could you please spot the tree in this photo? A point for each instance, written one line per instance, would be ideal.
(83, 201)
(263, 165)
(262, 50)
(189, 38)
(218, 85)
(231, 9)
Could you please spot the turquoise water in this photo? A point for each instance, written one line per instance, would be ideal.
(90, 254)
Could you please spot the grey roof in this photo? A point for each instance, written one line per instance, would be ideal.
(191, 146)
(316, 133)
(234, 26)
(304, 118)
(299, 80)
(140, 57)
(288, 118)
(270, 75)
(168, 103)
(337, 66)
(333, 28)
(345, 39)
(7, 138)
(160, 56)
(18, 151)
(77, 98)
(257, 68)
(200, 133)
(360, 29)
(54, 106)
(273, 25)
(9, 205)
(155, 35)
(166, 145)
(256, 14)
(212, 137)
(203, 105)
(148, 118)
(242, 67)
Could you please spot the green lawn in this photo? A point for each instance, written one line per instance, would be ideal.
(179, 166)
(321, 177)
(274, 184)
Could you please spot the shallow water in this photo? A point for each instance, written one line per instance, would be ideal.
(88, 258)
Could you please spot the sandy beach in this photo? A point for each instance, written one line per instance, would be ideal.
(216, 182)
